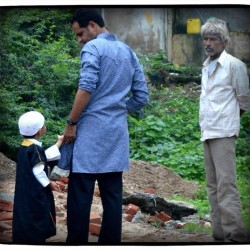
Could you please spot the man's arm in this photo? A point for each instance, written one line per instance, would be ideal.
(241, 85)
(139, 90)
(81, 100)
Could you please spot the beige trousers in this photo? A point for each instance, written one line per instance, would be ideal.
(223, 195)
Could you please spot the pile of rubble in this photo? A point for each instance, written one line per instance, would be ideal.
(6, 216)
(144, 207)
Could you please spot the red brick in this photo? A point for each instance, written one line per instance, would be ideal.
(6, 215)
(65, 205)
(94, 228)
(6, 237)
(61, 196)
(95, 218)
(4, 226)
(61, 218)
(163, 216)
(153, 219)
(179, 225)
(8, 222)
(128, 217)
(6, 205)
(97, 192)
(149, 191)
(64, 180)
(58, 210)
(132, 209)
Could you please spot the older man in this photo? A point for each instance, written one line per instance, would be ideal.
(225, 96)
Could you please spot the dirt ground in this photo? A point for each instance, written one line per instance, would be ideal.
(141, 176)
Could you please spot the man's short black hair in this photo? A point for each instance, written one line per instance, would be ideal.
(85, 15)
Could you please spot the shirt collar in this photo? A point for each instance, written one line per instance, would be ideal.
(107, 36)
(35, 142)
(221, 59)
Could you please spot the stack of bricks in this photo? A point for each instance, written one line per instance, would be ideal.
(6, 213)
(158, 218)
(131, 211)
(61, 215)
(6, 217)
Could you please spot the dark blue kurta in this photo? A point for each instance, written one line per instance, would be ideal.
(34, 207)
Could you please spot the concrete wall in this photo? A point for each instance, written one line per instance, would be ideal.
(141, 28)
(237, 19)
(188, 50)
(154, 29)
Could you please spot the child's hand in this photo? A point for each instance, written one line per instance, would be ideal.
(60, 139)
(54, 186)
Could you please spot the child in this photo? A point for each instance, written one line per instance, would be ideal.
(34, 206)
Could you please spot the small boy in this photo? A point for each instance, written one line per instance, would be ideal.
(34, 206)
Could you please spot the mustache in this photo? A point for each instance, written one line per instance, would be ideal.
(207, 48)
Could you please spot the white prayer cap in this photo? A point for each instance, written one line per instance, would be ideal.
(29, 123)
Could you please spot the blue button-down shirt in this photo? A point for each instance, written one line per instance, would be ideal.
(109, 71)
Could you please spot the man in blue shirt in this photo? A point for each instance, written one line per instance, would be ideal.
(98, 124)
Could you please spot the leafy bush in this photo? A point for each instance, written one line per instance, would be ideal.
(39, 70)
(169, 132)
(162, 73)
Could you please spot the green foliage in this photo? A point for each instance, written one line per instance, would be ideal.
(169, 133)
(39, 70)
(162, 73)
(243, 166)
(200, 200)
(196, 228)
(39, 67)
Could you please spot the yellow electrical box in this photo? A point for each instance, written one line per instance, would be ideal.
(193, 26)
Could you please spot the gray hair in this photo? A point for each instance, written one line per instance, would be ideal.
(215, 26)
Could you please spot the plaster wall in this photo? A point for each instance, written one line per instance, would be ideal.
(142, 29)
(188, 50)
(150, 30)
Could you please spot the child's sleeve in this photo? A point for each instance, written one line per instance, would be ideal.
(40, 175)
(52, 153)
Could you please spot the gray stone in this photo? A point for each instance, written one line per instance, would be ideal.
(139, 218)
(151, 203)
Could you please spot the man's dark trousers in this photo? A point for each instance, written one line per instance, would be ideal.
(80, 195)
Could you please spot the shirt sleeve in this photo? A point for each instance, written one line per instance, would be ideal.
(139, 90)
(41, 175)
(241, 85)
(90, 68)
(52, 153)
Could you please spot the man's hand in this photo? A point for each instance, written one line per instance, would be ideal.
(69, 133)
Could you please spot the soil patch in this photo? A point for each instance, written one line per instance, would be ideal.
(141, 176)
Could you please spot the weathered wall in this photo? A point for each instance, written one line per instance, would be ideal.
(237, 19)
(155, 29)
(141, 28)
(188, 50)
